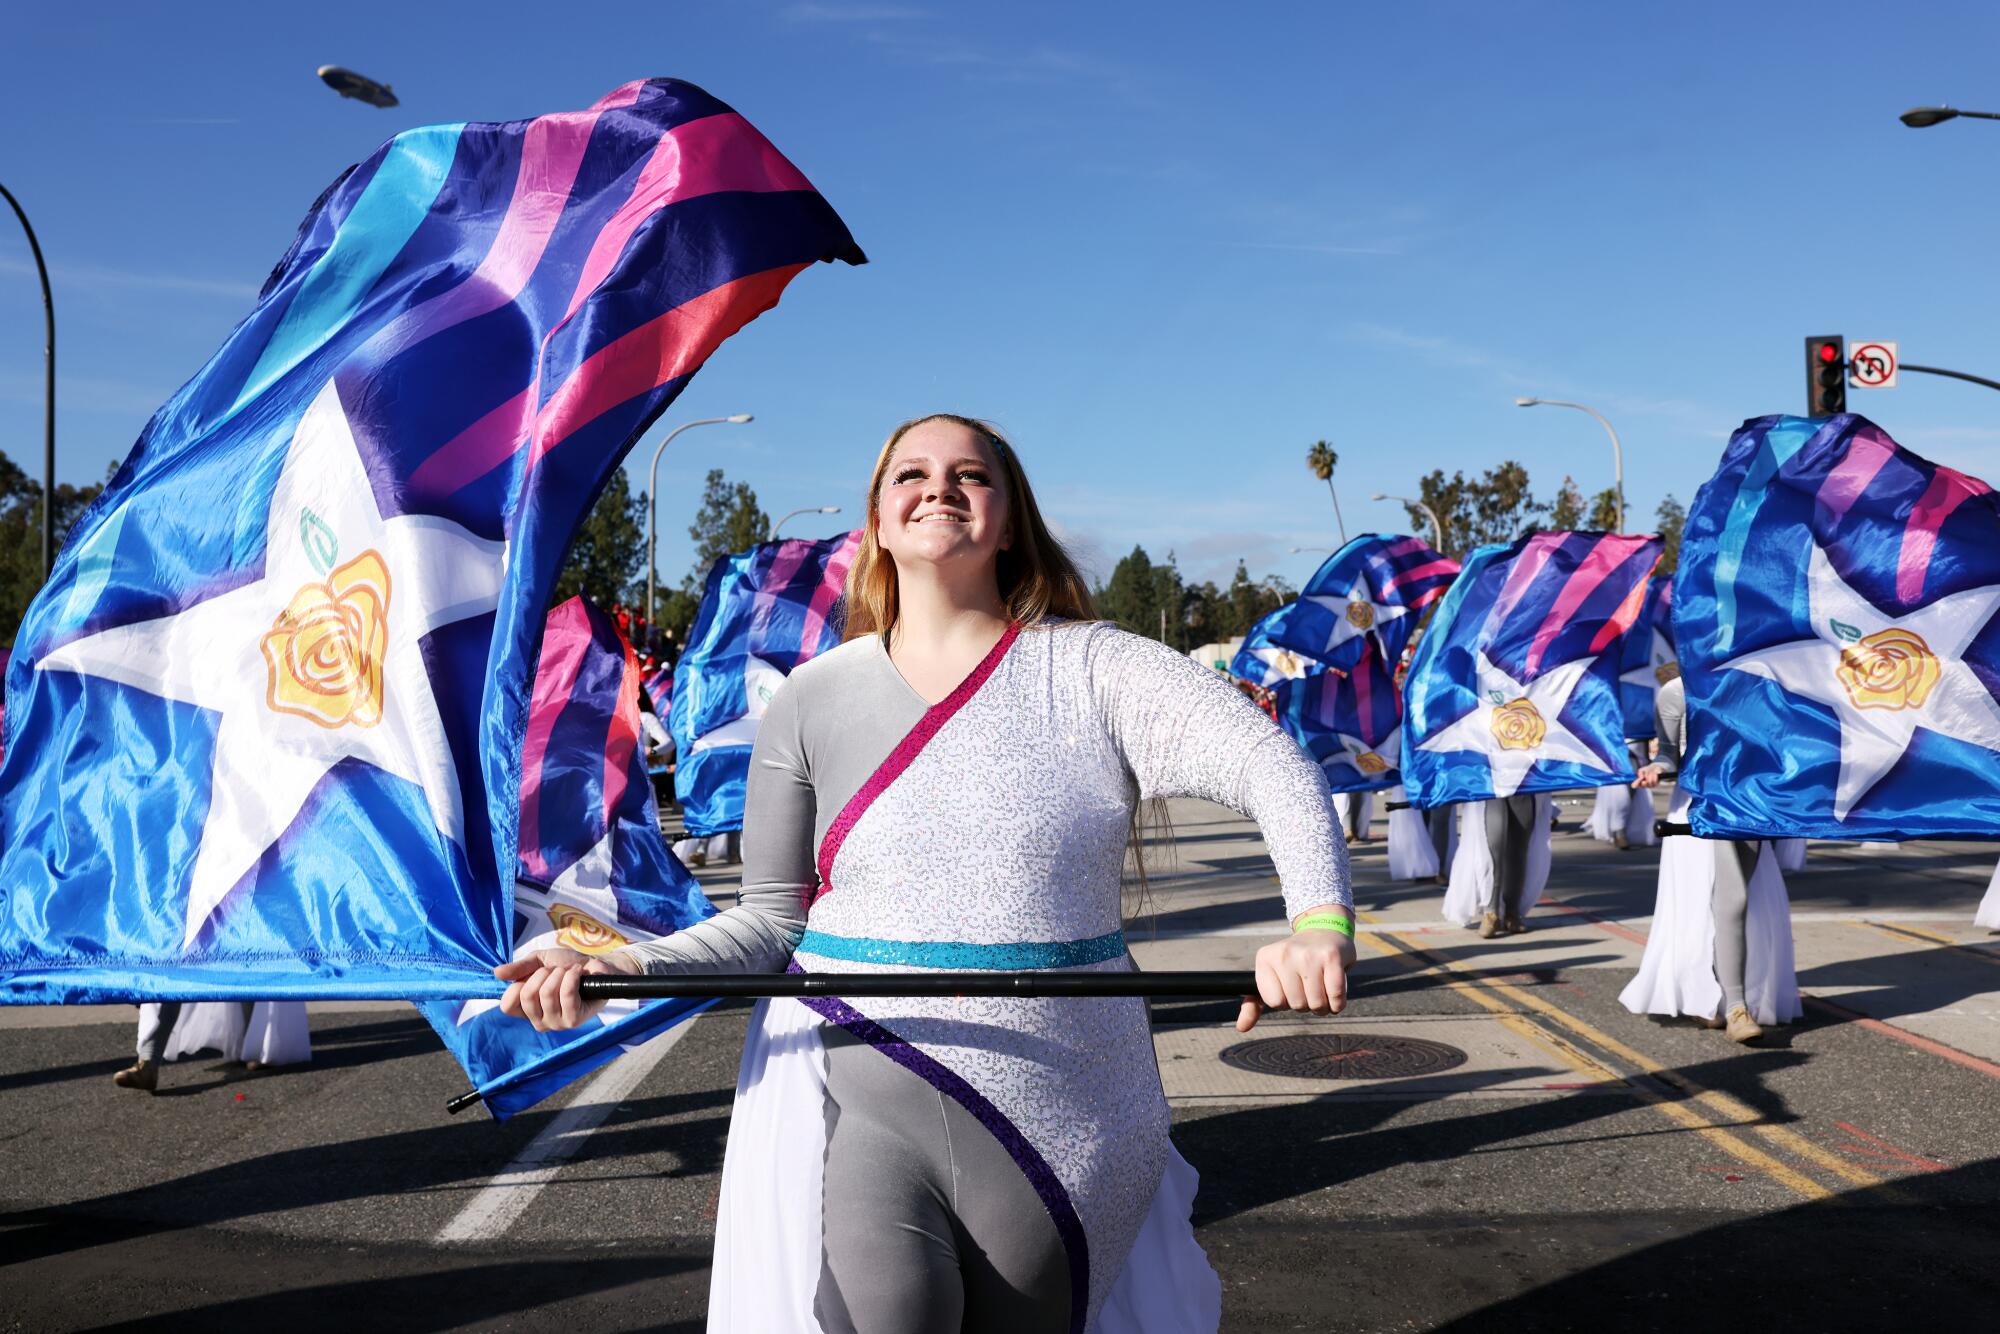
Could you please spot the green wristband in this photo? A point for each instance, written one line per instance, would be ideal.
(1326, 921)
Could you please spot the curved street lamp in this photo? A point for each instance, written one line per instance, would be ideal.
(653, 494)
(810, 509)
(48, 390)
(1617, 453)
(1918, 118)
(1437, 527)
(1328, 550)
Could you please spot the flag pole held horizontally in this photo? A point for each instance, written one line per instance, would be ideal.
(980, 983)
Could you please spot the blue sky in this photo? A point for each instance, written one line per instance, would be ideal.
(1165, 246)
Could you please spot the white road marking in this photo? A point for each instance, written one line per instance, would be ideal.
(514, 1187)
(1137, 933)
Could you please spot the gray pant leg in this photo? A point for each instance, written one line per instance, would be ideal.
(927, 1223)
(1735, 862)
(1438, 820)
(1510, 824)
(153, 1037)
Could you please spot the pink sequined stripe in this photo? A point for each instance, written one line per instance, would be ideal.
(828, 593)
(1947, 491)
(903, 756)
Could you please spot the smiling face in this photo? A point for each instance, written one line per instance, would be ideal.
(943, 500)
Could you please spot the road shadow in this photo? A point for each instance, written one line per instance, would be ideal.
(1906, 982)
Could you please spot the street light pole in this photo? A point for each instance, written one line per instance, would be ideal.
(810, 509)
(48, 390)
(1617, 452)
(1437, 527)
(1918, 118)
(653, 495)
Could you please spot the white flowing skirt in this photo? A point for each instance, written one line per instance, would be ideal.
(1677, 973)
(1988, 915)
(767, 1229)
(1412, 855)
(277, 1034)
(1791, 854)
(1616, 807)
(1471, 887)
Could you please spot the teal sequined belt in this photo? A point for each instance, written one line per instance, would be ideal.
(955, 954)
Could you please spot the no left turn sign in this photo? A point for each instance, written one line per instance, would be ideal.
(1872, 366)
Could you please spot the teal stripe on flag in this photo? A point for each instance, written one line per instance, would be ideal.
(1779, 444)
(954, 954)
(394, 203)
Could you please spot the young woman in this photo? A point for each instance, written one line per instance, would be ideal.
(954, 787)
(1720, 948)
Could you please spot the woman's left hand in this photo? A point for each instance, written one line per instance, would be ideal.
(1306, 972)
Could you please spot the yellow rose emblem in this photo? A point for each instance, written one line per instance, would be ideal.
(578, 930)
(1890, 669)
(1518, 725)
(1361, 615)
(325, 652)
(1666, 671)
(1368, 762)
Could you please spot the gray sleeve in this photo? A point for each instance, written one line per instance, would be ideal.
(760, 932)
(1670, 721)
(1186, 732)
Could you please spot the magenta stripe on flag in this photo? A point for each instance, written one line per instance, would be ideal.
(1521, 576)
(1947, 491)
(624, 95)
(1843, 486)
(1621, 620)
(564, 644)
(1363, 692)
(771, 588)
(1432, 570)
(828, 593)
(1606, 555)
(622, 738)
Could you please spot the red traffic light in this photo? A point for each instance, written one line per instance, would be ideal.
(1828, 352)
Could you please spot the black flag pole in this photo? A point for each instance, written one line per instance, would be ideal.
(705, 986)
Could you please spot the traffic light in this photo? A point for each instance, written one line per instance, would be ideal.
(1826, 376)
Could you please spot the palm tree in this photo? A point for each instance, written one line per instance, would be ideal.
(1322, 460)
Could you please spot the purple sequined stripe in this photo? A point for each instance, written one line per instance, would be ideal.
(1033, 1166)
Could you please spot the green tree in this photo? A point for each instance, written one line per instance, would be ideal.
(728, 521)
(1495, 507)
(21, 536)
(608, 548)
(1322, 460)
(1604, 510)
(1566, 511)
(1669, 520)
(1251, 600)
(1206, 614)
(1146, 597)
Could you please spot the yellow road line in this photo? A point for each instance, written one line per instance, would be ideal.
(1733, 1111)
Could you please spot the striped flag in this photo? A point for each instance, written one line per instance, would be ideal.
(763, 612)
(594, 870)
(1350, 722)
(1368, 593)
(1835, 609)
(1514, 687)
(269, 707)
(1643, 657)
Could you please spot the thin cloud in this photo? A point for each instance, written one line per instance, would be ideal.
(98, 278)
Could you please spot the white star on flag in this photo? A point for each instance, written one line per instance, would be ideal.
(577, 908)
(1350, 620)
(1502, 697)
(1389, 751)
(1283, 663)
(1884, 676)
(280, 730)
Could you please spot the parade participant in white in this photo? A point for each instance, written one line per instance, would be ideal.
(1720, 948)
(967, 766)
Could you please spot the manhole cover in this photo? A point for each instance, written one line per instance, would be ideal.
(1343, 1056)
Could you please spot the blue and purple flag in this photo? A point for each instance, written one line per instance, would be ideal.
(763, 612)
(1514, 687)
(1370, 592)
(1835, 612)
(594, 871)
(266, 717)
(1350, 722)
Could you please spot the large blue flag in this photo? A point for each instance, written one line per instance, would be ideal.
(594, 870)
(763, 612)
(1514, 687)
(264, 723)
(1349, 721)
(1368, 593)
(1835, 612)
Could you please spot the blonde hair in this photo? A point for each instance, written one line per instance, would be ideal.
(1037, 577)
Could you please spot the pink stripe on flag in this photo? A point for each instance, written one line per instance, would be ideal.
(1519, 578)
(784, 568)
(1623, 619)
(706, 156)
(564, 643)
(828, 593)
(1947, 491)
(624, 95)
(1843, 486)
(1606, 555)
(1445, 566)
(1363, 692)
(622, 738)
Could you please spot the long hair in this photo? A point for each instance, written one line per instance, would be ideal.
(1037, 577)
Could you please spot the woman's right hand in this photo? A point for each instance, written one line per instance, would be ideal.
(1649, 776)
(544, 987)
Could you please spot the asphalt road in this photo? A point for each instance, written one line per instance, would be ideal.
(1578, 1168)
